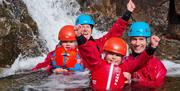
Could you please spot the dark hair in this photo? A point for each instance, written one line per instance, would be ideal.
(91, 26)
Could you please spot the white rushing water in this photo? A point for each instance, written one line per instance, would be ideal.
(50, 16)
(60, 82)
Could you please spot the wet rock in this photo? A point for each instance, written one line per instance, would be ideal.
(18, 32)
(18, 81)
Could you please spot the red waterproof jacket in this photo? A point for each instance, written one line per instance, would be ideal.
(107, 76)
(45, 63)
(150, 77)
(117, 29)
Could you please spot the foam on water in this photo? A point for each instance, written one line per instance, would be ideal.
(62, 81)
(173, 69)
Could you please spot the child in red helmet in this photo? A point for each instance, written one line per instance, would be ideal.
(65, 57)
(107, 72)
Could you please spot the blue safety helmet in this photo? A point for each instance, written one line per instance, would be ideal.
(84, 19)
(140, 29)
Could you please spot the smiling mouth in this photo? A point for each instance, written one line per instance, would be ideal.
(137, 47)
(85, 33)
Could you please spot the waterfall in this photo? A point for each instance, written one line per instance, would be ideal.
(50, 16)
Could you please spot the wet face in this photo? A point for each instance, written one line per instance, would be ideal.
(114, 58)
(86, 31)
(68, 44)
(138, 44)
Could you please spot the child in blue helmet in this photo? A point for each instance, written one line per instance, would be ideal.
(152, 75)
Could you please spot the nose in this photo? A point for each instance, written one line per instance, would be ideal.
(114, 56)
(137, 42)
(68, 43)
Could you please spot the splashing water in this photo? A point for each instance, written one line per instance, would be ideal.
(63, 81)
(173, 69)
(50, 16)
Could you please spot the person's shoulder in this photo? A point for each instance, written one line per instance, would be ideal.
(156, 61)
(51, 53)
(91, 42)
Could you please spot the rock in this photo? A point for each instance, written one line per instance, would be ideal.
(17, 82)
(18, 32)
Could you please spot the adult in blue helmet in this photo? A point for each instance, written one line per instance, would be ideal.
(84, 19)
(85, 23)
(152, 75)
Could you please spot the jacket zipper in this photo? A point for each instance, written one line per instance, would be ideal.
(110, 77)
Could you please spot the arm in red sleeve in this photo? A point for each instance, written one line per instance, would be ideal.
(155, 80)
(117, 29)
(90, 54)
(46, 62)
(140, 61)
(150, 84)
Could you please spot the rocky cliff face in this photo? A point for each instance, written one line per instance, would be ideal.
(163, 15)
(18, 32)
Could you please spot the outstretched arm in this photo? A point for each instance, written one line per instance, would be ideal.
(154, 80)
(88, 52)
(118, 27)
(46, 62)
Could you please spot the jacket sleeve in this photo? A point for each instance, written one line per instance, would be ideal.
(90, 54)
(117, 29)
(54, 65)
(157, 81)
(46, 62)
(139, 62)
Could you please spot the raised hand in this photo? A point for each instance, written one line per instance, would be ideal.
(131, 6)
(78, 30)
(155, 41)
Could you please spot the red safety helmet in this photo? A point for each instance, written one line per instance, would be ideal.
(115, 45)
(67, 33)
